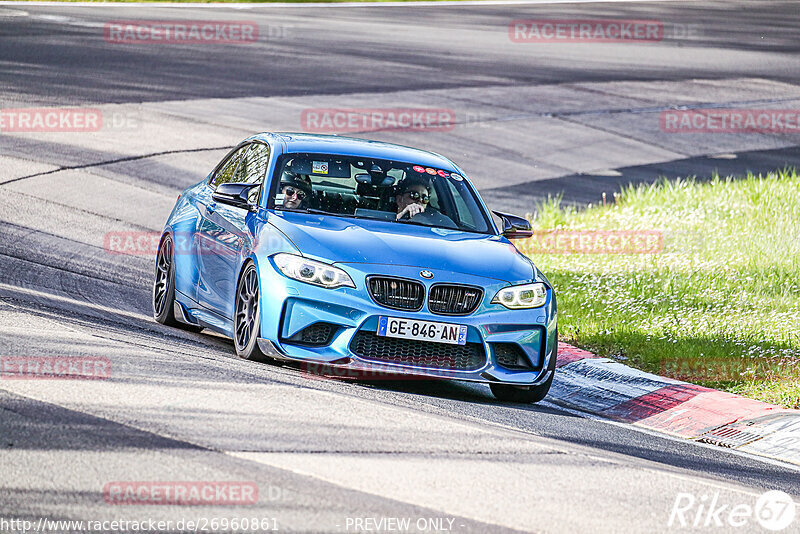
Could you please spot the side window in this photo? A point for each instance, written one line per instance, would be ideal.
(254, 164)
(225, 173)
(253, 169)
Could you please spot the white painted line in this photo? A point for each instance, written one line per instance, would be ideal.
(782, 442)
(74, 302)
(593, 385)
(293, 462)
(594, 417)
(442, 3)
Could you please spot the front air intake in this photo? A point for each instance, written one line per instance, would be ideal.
(511, 356)
(410, 352)
(316, 335)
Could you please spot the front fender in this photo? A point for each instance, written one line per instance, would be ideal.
(268, 241)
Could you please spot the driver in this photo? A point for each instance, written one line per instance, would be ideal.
(296, 190)
(413, 196)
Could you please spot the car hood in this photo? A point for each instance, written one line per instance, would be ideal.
(344, 240)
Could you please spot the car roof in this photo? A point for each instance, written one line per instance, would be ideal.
(351, 146)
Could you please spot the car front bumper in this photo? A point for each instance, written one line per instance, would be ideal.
(289, 307)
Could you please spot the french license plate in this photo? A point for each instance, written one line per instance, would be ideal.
(455, 334)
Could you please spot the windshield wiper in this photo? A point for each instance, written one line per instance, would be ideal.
(316, 211)
(417, 223)
(404, 220)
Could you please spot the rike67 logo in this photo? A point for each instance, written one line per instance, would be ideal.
(774, 510)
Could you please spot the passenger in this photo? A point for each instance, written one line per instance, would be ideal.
(296, 190)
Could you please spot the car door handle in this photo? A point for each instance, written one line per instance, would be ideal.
(211, 207)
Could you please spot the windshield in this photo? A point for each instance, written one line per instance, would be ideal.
(401, 192)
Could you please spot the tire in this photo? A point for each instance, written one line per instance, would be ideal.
(247, 316)
(529, 394)
(164, 287)
(164, 284)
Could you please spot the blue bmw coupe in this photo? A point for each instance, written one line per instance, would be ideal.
(357, 255)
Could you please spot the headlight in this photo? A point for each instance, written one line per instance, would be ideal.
(521, 297)
(312, 272)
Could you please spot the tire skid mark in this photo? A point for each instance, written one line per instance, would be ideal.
(113, 161)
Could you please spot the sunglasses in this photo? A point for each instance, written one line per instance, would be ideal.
(416, 197)
(291, 191)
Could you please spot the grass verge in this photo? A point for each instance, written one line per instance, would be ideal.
(716, 303)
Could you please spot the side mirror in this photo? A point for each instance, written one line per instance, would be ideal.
(514, 227)
(235, 195)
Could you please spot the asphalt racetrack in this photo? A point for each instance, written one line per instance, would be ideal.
(529, 119)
